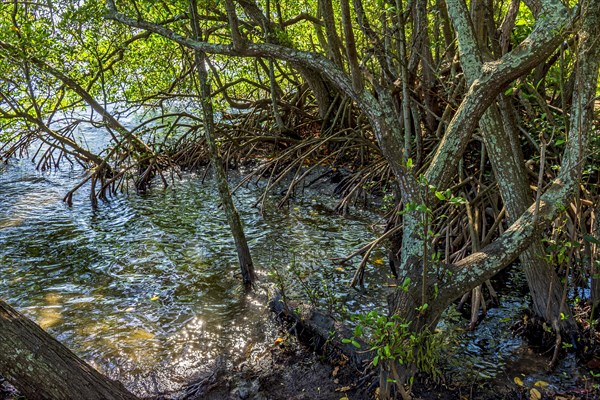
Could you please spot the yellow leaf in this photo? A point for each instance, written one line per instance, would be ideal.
(278, 341)
(535, 394)
(340, 269)
(518, 381)
(344, 398)
(541, 384)
(343, 389)
(154, 298)
(378, 261)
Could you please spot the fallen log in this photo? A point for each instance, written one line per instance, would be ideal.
(40, 367)
(321, 332)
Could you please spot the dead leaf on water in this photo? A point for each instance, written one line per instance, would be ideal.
(535, 394)
(343, 389)
(278, 341)
(518, 381)
(541, 384)
(335, 371)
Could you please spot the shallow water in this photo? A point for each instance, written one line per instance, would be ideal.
(146, 287)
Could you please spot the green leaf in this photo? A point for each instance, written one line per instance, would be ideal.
(591, 239)
(422, 208)
(458, 200)
(440, 196)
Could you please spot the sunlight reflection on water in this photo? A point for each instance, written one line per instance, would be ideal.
(145, 287)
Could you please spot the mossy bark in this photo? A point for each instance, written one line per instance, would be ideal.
(42, 368)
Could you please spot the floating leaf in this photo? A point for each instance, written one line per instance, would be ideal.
(518, 381)
(535, 394)
(340, 269)
(541, 384)
(154, 298)
(278, 341)
(335, 371)
(379, 261)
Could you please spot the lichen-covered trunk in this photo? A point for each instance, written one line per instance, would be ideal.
(42, 368)
(507, 162)
(501, 143)
(480, 266)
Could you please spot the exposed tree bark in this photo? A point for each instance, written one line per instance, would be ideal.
(333, 40)
(509, 169)
(543, 40)
(408, 134)
(236, 37)
(350, 44)
(42, 368)
(423, 50)
(233, 218)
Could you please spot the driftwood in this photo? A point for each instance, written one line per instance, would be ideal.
(321, 332)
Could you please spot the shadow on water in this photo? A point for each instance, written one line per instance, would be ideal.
(146, 288)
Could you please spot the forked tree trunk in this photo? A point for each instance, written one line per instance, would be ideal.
(42, 368)
(476, 268)
(508, 165)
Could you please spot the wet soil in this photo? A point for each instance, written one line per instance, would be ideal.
(291, 370)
